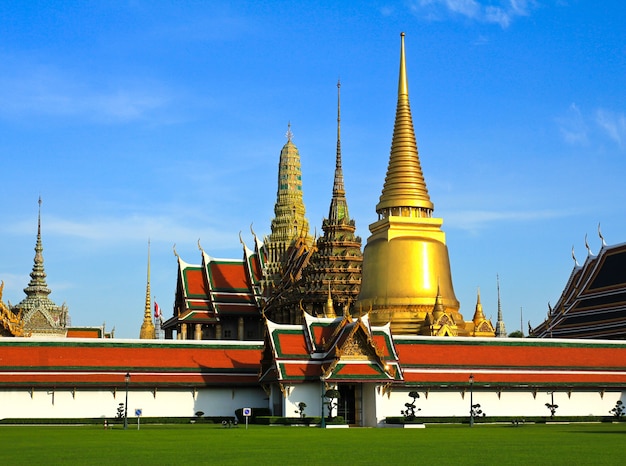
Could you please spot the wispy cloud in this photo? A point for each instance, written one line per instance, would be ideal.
(474, 220)
(502, 13)
(107, 231)
(582, 128)
(46, 91)
(572, 126)
(613, 124)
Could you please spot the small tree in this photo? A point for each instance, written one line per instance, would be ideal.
(409, 412)
(120, 411)
(476, 411)
(618, 411)
(300, 410)
(552, 407)
(199, 414)
(331, 395)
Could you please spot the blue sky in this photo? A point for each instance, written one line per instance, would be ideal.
(165, 120)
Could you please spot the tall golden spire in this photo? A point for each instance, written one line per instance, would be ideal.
(339, 204)
(147, 331)
(404, 192)
(406, 268)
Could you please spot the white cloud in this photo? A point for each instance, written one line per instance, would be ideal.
(111, 230)
(473, 220)
(502, 13)
(613, 124)
(575, 130)
(572, 126)
(41, 90)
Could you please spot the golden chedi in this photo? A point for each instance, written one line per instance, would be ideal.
(406, 269)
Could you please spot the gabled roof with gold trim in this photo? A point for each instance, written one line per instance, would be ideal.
(218, 287)
(332, 350)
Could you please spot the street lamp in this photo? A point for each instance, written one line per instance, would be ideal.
(471, 384)
(127, 380)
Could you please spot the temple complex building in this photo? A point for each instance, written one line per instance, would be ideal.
(218, 299)
(11, 324)
(284, 331)
(593, 302)
(406, 269)
(40, 315)
(328, 282)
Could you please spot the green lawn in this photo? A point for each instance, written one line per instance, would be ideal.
(539, 444)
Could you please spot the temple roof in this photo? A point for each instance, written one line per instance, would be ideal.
(75, 362)
(217, 287)
(593, 302)
(327, 349)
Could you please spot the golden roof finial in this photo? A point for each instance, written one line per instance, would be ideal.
(329, 310)
(478, 312)
(404, 183)
(289, 134)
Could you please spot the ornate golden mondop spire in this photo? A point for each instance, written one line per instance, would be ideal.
(406, 269)
(289, 224)
(147, 331)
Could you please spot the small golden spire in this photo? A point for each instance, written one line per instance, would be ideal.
(147, 331)
(479, 316)
(329, 310)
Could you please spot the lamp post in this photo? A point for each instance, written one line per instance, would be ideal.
(127, 380)
(471, 384)
(323, 421)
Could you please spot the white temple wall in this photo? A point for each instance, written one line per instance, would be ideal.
(162, 403)
(507, 403)
(224, 401)
(309, 393)
(371, 404)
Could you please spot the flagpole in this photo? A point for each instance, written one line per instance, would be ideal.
(157, 319)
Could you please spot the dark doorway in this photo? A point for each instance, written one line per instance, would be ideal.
(346, 406)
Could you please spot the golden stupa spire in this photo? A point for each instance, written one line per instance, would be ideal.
(404, 192)
(147, 331)
(406, 269)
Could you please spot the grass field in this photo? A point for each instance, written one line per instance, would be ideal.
(540, 444)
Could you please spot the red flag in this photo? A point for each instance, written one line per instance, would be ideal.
(157, 310)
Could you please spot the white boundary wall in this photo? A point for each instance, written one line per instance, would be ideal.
(65, 403)
(376, 405)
